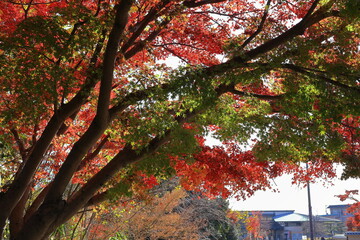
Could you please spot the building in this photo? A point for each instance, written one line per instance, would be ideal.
(288, 225)
(296, 225)
(352, 235)
(339, 212)
(273, 229)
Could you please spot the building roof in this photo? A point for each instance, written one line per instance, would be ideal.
(297, 217)
(267, 212)
(339, 206)
(325, 219)
(275, 211)
(293, 217)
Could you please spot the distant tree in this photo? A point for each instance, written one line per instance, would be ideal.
(153, 220)
(239, 219)
(170, 214)
(323, 229)
(212, 213)
(253, 226)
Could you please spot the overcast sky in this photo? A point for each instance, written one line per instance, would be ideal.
(291, 197)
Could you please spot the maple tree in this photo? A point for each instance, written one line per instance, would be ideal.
(353, 222)
(90, 111)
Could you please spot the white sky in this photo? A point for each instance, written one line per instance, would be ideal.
(291, 197)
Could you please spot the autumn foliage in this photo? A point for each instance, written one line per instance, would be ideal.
(155, 219)
(253, 224)
(353, 222)
(101, 99)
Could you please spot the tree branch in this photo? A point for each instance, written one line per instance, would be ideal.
(231, 89)
(125, 157)
(260, 27)
(141, 44)
(311, 9)
(94, 153)
(17, 188)
(19, 185)
(309, 72)
(176, 55)
(101, 120)
(181, 44)
(193, 3)
(32, 3)
(36, 203)
(20, 144)
(140, 26)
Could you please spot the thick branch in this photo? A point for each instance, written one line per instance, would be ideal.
(101, 120)
(311, 9)
(110, 55)
(36, 203)
(9, 199)
(92, 155)
(16, 218)
(95, 130)
(125, 157)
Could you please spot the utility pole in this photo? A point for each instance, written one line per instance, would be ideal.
(310, 208)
